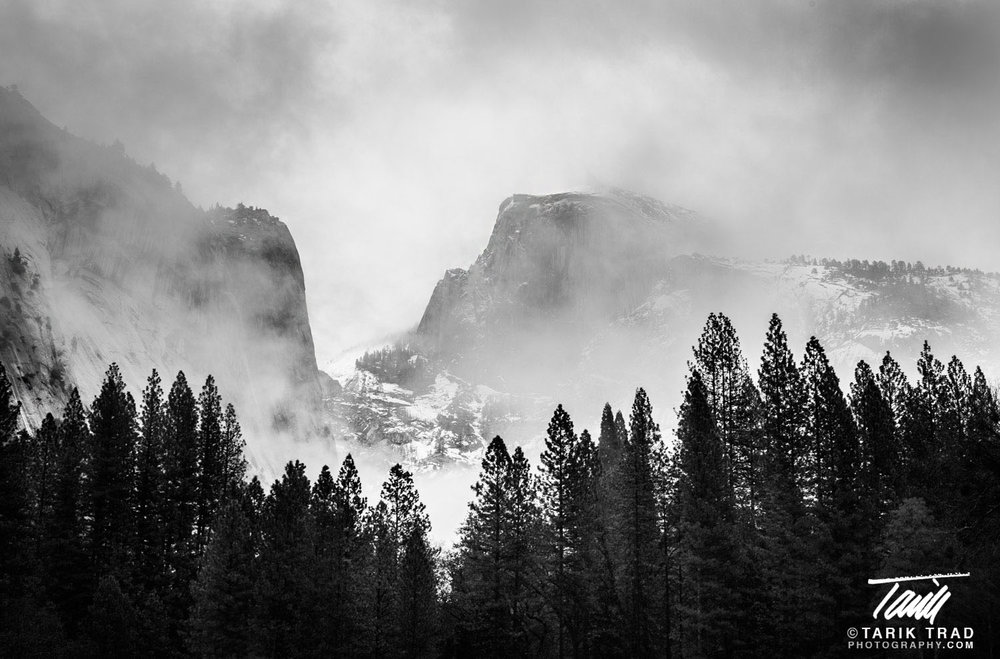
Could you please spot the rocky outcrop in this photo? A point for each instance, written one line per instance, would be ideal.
(105, 261)
(554, 265)
(439, 315)
(580, 298)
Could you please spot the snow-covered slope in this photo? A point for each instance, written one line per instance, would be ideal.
(427, 420)
(859, 311)
(580, 298)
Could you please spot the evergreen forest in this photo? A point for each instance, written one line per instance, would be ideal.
(134, 528)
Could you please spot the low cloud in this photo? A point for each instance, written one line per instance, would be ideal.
(387, 134)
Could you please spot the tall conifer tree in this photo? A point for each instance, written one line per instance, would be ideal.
(782, 420)
(398, 515)
(635, 530)
(180, 469)
(834, 471)
(609, 443)
(150, 505)
(734, 401)
(111, 469)
(877, 434)
(211, 458)
(233, 460)
(558, 470)
(786, 555)
(705, 533)
(479, 580)
(284, 588)
(219, 625)
(69, 568)
(416, 621)
(44, 454)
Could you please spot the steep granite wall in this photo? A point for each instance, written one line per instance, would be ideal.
(104, 260)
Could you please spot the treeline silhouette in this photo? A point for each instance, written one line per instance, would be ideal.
(135, 532)
(881, 271)
(398, 364)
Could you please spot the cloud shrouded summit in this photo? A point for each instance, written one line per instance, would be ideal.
(386, 135)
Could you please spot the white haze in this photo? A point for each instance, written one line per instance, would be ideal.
(387, 133)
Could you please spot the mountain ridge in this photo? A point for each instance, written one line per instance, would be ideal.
(532, 322)
(105, 260)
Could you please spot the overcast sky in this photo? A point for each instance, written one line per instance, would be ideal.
(387, 133)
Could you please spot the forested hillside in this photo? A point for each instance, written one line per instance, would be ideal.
(131, 529)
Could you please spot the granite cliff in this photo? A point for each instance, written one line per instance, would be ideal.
(105, 260)
(579, 298)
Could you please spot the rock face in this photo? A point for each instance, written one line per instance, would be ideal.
(556, 267)
(104, 260)
(580, 298)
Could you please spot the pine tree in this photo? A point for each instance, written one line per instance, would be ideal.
(150, 506)
(786, 559)
(44, 454)
(211, 459)
(70, 579)
(635, 530)
(379, 602)
(666, 473)
(834, 469)
(337, 534)
(951, 413)
(984, 414)
(181, 476)
(350, 503)
(829, 428)
(416, 596)
(524, 522)
(610, 444)
(397, 516)
(893, 385)
(622, 429)
(558, 470)
(403, 508)
(353, 558)
(493, 572)
(323, 493)
(924, 432)
(979, 483)
(605, 629)
(285, 588)
(877, 434)
(232, 458)
(874, 489)
(224, 590)
(782, 421)
(920, 432)
(111, 468)
(478, 579)
(734, 402)
(705, 531)
(584, 562)
(976, 515)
